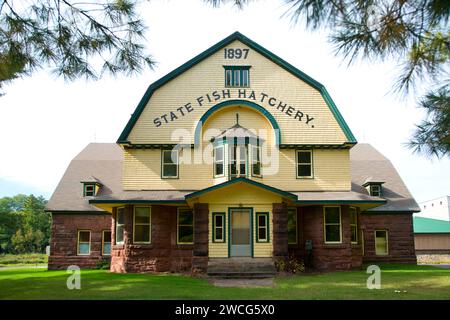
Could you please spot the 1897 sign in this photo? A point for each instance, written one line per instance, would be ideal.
(236, 53)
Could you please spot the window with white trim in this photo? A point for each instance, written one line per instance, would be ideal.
(218, 227)
(353, 225)
(375, 190)
(185, 226)
(142, 225)
(262, 227)
(169, 166)
(84, 243)
(304, 164)
(381, 242)
(120, 222)
(256, 161)
(332, 224)
(219, 161)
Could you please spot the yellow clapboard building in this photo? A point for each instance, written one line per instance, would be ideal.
(234, 158)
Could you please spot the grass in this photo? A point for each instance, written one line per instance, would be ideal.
(13, 260)
(419, 282)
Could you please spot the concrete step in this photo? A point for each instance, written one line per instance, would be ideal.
(242, 268)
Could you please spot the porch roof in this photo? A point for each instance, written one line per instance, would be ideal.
(284, 194)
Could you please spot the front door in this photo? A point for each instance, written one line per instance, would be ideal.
(240, 235)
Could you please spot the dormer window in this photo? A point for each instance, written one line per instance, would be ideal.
(373, 187)
(89, 190)
(375, 190)
(237, 76)
(90, 187)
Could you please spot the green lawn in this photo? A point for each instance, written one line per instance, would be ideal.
(420, 282)
(9, 260)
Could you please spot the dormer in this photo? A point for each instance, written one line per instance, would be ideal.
(373, 187)
(238, 149)
(91, 187)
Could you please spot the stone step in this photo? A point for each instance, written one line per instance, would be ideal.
(248, 268)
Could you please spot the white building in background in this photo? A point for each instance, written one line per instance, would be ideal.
(435, 209)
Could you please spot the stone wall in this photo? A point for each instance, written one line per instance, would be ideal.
(162, 254)
(400, 237)
(64, 237)
(342, 256)
(280, 232)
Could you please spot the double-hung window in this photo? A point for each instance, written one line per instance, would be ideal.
(262, 231)
(238, 161)
(219, 160)
(169, 165)
(142, 225)
(84, 243)
(332, 224)
(375, 190)
(353, 225)
(185, 226)
(106, 242)
(381, 243)
(237, 76)
(89, 189)
(120, 217)
(256, 161)
(218, 227)
(304, 164)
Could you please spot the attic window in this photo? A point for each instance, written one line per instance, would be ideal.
(237, 76)
(89, 190)
(375, 190)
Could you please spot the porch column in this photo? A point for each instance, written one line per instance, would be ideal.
(280, 230)
(200, 249)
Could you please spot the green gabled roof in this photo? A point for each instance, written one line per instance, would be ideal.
(427, 225)
(244, 180)
(264, 52)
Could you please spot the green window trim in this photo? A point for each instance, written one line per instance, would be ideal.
(119, 226)
(298, 164)
(266, 227)
(89, 189)
(353, 213)
(293, 211)
(148, 224)
(164, 164)
(325, 224)
(179, 210)
(237, 76)
(214, 227)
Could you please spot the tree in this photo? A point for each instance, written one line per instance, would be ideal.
(416, 33)
(75, 38)
(24, 225)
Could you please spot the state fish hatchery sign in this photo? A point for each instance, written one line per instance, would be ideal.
(275, 104)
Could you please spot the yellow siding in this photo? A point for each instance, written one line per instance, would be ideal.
(265, 77)
(247, 196)
(142, 171)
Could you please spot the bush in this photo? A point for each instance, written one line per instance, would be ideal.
(290, 265)
(103, 264)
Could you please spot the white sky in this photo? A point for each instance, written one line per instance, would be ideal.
(45, 122)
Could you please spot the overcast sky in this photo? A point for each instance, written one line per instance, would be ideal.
(45, 122)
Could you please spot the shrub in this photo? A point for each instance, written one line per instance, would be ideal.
(290, 265)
